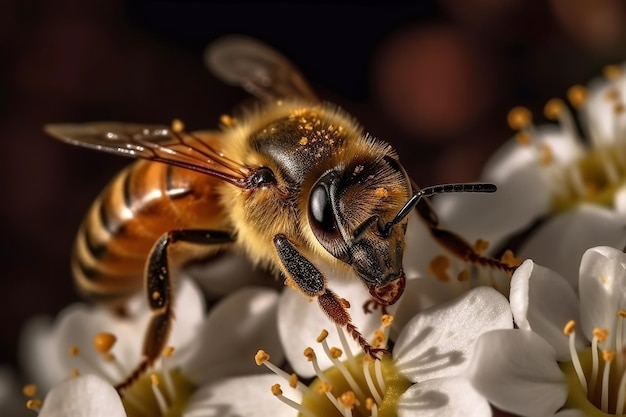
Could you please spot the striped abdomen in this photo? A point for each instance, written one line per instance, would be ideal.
(144, 201)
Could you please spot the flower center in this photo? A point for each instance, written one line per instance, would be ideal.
(356, 386)
(597, 167)
(597, 376)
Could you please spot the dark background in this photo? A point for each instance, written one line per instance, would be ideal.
(434, 79)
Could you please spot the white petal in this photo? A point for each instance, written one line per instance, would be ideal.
(242, 396)
(300, 322)
(235, 329)
(602, 289)
(443, 397)
(82, 396)
(560, 243)
(517, 371)
(439, 341)
(533, 293)
(46, 349)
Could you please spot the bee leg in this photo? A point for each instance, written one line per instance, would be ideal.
(455, 243)
(160, 297)
(305, 277)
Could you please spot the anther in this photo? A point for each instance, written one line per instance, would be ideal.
(349, 399)
(386, 320)
(163, 407)
(293, 380)
(600, 333)
(323, 335)
(34, 404)
(104, 342)
(74, 351)
(608, 355)
(168, 352)
(508, 258)
(438, 267)
(29, 390)
(519, 118)
(261, 357)
(611, 72)
(463, 276)
(570, 330)
(227, 120)
(335, 352)
(554, 108)
(577, 94)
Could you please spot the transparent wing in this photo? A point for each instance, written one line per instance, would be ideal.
(156, 143)
(256, 67)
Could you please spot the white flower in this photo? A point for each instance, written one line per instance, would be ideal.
(424, 372)
(555, 181)
(206, 348)
(567, 358)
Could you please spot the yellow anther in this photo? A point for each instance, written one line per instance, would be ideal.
(608, 355)
(379, 338)
(30, 390)
(104, 342)
(612, 72)
(324, 387)
(386, 320)
(601, 334)
(261, 356)
(34, 404)
(276, 390)
(154, 379)
(519, 118)
(75, 372)
(621, 313)
(463, 276)
(349, 399)
(168, 352)
(227, 120)
(508, 258)
(369, 403)
(381, 192)
(523, 138)
(554, 108)
(438, 267)
(177, 126)
(293, 380)
(74, 351)
(577, 94)
(323, 335)
(335, 352)
(303, 140)
(481, 245)
(546, 155)
(309, 354)
(569, 327)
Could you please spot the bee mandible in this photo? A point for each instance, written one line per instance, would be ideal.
(293, 183)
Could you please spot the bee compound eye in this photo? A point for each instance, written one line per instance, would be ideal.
(321, 214)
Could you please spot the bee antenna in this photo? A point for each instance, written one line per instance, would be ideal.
(385, 229)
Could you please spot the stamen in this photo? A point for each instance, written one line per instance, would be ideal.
(160, 398)
(368, 379)
(378, 371)
(370, 405)
(30, 390)
(278, 393)
(619, 339)
(333, 355)
(310, 355)
(621, 391)
(34, 404)
(349, 400)
(325, 388)
(598, 336)
(165, 369)
(570, 331)
(263, 358)
(608, 356)
(438, 267)
(344, 342)
(612, 72)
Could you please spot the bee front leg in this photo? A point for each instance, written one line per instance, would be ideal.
(160, 297)
(305, 277)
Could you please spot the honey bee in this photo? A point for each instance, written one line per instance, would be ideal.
(294, 183)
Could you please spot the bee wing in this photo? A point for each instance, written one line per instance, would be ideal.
(257, 68)
(153, 142)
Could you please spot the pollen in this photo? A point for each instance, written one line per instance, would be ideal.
(519, 118)
(261, 357)
(104, 342)
(303, 140)
(386, 320)
(156, 295)
(168, 352)
(381, 192)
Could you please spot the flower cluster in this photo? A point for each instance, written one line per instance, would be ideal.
(542, 334)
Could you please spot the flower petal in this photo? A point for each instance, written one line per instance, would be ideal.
(449, 397)
(85, 395)
(301, 321)
(242, 396)
(533, 290)
(232, 333)
(439, 341)
(560, 243)
(602, 289)
(516, 370)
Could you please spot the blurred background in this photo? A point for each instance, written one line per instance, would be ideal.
(435, 79)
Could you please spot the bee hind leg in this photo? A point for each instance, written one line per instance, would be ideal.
(306, 278)
(159, 294)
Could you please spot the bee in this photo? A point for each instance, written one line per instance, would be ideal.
(294, 183)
